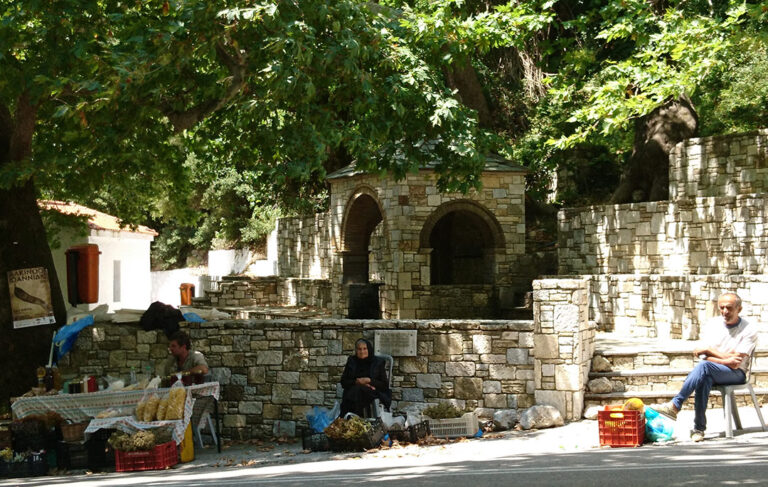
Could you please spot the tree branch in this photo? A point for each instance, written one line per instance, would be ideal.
(183, 120)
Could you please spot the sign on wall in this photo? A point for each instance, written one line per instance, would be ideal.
(31, 303)
(398, 343)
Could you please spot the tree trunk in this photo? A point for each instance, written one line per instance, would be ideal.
(646, 177)
(463, 78)
(23, 245)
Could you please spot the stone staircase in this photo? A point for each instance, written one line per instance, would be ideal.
(654, 370)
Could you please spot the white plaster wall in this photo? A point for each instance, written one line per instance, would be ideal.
(227, 262)
(165, 284)
(241, 261)
(131, 249)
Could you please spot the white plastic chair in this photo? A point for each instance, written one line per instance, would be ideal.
(378, 408)
(730, 409)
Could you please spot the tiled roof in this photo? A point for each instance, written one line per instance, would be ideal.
(96, 219)
(493, 163)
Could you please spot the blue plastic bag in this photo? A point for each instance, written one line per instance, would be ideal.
(193, 317)
(67, 335)
(319, 418)
(657, 426)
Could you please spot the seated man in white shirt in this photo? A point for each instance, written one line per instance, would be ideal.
(725, 350)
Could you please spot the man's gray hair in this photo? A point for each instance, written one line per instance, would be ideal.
(734, 296)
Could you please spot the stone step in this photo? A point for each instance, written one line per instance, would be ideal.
(201, 301)
(654, 370)
(657, 372)
(654, 397)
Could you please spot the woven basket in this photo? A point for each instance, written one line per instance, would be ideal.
(74, 431)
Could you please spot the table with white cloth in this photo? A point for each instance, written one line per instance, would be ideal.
(85, 406)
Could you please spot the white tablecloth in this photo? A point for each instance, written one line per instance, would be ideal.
(82, 407)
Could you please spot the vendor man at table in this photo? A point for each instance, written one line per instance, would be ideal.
(183, 358)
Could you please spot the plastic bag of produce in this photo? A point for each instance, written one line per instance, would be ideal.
(150, 410)
(657, 426)
(319, 418)
(162, 408)
(176, 398)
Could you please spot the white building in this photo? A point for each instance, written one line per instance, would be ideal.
(124, 280)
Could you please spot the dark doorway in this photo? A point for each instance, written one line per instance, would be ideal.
(361, 221)
(462, 250)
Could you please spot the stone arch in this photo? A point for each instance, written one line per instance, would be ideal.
(362, 214)
(462, 238)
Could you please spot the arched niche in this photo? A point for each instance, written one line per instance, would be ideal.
(363, 214)
(463, 238)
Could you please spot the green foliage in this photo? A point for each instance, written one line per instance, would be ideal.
(442, 410)
(57, 223)
(737, 97)
(202, 117)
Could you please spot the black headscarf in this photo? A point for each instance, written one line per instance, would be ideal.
(363, 366)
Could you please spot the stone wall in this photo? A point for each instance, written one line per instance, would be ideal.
(305, 292)
(273, 371)
(713, 223)
(240, 292)
(464, 301)
(669, 306)
(564, 342)
(726, 165)
(722, 235)
(305, 247)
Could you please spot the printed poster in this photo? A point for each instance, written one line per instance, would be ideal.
(31, 303)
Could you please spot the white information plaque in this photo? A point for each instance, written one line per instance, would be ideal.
(398, 343)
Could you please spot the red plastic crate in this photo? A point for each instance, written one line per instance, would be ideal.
(162, 456)
(621, 428)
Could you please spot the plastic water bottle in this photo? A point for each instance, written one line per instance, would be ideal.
(133, 376)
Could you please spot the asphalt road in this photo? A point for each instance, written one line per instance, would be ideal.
(717, 462)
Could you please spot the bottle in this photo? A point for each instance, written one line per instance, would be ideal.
(133, 376)
(148, 372)
(40, 376)
(48, 379)
(57, 381)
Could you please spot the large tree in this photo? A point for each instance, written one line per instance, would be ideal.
(107, 99)
(107, 102)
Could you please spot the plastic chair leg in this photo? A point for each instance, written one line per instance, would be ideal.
(735, 407)
(213, 431)
(757, 407)
(199, 436)
(728, 412)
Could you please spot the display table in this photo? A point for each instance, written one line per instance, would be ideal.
(84, 406)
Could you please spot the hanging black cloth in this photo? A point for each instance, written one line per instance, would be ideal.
(357, 398)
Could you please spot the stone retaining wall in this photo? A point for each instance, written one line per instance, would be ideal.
(243, 293)
(305, 247)
(724, 165)
(723, 235)
(669, 306)
(273, 371)
(464, 301)
(713, 223)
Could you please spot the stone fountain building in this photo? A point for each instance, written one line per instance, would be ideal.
(402, 250)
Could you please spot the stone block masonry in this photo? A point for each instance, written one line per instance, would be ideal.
(714, 222)
(669, 306)
(724, 165)
(273, 371)
(657, 267)
(564, 342)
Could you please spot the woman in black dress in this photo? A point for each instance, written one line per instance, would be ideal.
(364, 379)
